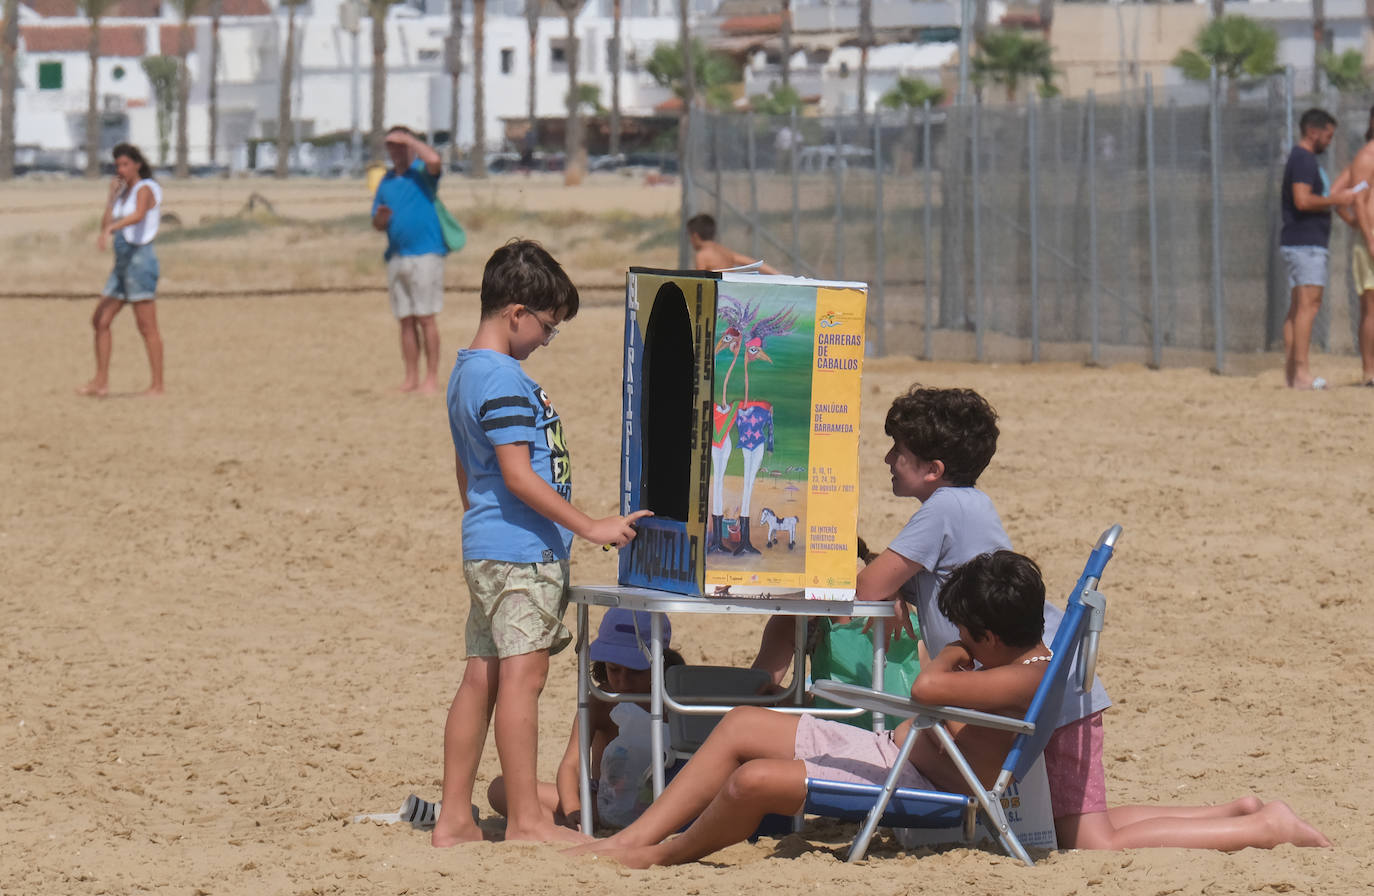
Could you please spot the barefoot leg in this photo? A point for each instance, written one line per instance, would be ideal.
(1367, 336)
(145, 313)
(465, 733)
(1121, 816)
(1271, 826)
(410, 354)
(105, 312)
(1305, 302)
(429, 338)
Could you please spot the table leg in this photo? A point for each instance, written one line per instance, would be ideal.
(656, 699)
(584, 723)
(879, 665)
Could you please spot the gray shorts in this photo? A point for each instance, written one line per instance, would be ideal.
(415, 284)
(1306, 265)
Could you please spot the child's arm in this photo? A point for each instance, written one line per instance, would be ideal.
(950, 680)
(882, 579)
(527, 485)
(462, 480)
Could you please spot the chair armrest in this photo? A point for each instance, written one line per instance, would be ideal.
(867, 698)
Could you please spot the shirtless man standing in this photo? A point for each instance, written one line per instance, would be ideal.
(711, 255)
(1360, 215)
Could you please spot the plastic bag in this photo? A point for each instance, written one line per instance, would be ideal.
(625, 790)
(844, 653)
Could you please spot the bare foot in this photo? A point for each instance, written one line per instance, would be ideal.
(428, 387)
(460, 833)
(1314, 384)
(546, 833)
(153, 391)
(408, 386)
(1289, 828)
(630, 857)
(94, 390)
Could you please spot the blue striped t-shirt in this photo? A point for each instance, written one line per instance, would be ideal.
(491, 401)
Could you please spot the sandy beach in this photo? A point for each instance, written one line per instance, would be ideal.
(232, 616)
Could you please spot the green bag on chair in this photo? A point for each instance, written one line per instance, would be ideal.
(454, 235)
(845, 653)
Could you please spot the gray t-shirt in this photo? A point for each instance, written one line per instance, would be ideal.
(953, 526)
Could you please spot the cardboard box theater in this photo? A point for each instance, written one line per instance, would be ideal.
(741, 433)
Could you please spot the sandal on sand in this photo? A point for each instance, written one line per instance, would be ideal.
(421, 814)
(1318, 384)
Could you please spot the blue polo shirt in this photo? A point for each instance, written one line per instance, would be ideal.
(414, 227)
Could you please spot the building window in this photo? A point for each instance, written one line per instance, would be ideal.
(610, 54)
(558, 55)
(49, 76)
(507, 60)
(118, 73)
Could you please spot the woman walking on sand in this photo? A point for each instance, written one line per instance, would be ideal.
(132, 213)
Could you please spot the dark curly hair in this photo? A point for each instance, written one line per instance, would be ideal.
(522, 272)
(1002, 593)
(955, 426)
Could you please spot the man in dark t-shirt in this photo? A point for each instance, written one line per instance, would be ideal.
(1307, 200)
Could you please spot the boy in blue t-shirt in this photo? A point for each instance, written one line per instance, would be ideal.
(512, 466)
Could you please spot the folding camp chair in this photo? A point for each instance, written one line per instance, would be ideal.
(890, 805)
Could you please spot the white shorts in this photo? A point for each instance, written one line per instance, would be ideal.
(415, 284)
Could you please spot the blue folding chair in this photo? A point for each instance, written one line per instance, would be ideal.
(902, 807)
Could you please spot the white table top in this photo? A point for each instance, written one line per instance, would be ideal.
(632, 598)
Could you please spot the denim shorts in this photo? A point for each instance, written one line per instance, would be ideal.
(1306, 265)
(134, 278)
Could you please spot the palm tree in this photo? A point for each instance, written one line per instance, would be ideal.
(865, 41)
(787, 42)
(454, 61)
(216, 13)
(185, 9)
(162, 72)
(709, 72)
(1008, 57)
(1239, 47)
(1345, 72)
(1318, 43)
(9, 82)
(778, 102)
(94, 10)
(285, 124)
(532, 23)
(911, 94)
(576, 165)
(616, 14)
(377, 9)
(479, 88)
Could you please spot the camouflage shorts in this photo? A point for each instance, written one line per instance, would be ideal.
(516, 607)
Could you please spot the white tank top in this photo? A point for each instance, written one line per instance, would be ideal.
(126, 203)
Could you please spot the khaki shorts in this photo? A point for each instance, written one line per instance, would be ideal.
(516, 607)
(1361, 265)
(415, 284)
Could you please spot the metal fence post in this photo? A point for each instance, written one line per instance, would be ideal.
(684, 164)
(1034, 203)
(839, 201)
(1218, 317)
(878, 286)
(717, 121)
(979, 319)
(1287, 107)
(1156, 329)
(926, 348)
(1094, 280)
(753, 191)
(795, 152)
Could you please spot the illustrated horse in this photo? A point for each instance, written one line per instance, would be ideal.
(778, 524)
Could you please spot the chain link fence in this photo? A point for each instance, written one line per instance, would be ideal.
(1137, 227)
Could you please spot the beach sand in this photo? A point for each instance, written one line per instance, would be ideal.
(232, 617)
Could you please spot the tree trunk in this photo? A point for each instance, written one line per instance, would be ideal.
(455, 74)
(92, 104)
(617, 13)
(787, 43)
(288, 64)
(378, 135)
(1218, 8)
(9, 81)
(479, 88)
(216, 12)
(1318, 43)
(980, 19)
(574, 169)
(183, 168)
(683, 137)
(865, 41)
(1046, 16)
(532, 21)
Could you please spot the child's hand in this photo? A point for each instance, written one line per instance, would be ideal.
(955, 657)
(616, 531)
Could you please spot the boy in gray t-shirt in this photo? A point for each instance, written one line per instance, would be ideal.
(942, 440)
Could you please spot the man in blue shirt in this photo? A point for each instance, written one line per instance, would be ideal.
(415, 250)
(1307, 201)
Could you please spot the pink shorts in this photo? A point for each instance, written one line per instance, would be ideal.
(834, 751)
(1073, 764)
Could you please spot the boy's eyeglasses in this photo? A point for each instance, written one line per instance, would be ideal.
(550, 330)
